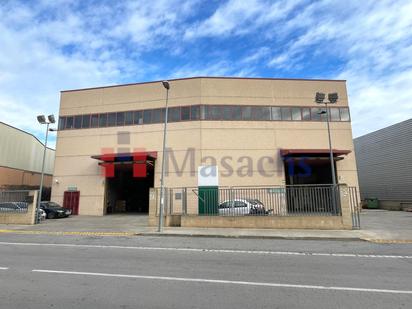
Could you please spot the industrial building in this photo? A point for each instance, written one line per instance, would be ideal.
(385, 165)
(21, 155)
(257, 131)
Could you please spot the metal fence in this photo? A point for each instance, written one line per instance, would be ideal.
(15, 201)
(355, 206)
(320, 200)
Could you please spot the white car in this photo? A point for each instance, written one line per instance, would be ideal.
(42, 215)
(241, 207)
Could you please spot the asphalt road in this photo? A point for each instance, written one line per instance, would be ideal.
(40, 271)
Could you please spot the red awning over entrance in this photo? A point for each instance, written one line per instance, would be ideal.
(312, 152)
(139, 160)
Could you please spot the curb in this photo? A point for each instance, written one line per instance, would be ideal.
(25, 232)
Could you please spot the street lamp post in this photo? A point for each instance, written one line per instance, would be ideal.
(320, 99)
(42, 120)
(166, 85)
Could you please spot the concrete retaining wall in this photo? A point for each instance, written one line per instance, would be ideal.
(21, 218)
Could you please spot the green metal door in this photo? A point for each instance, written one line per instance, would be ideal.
(208, 200)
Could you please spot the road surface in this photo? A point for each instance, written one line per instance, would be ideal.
(44, 271)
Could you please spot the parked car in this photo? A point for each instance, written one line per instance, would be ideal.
(54, 210)
(242, 207)
(42, 215)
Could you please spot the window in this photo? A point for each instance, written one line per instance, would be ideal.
(214, 112)
(237, 113)
(276, 115)
(195, 112)
(120, 119)
(260, 113)
(227, 113)
(185, 113)
(334, 114)
(111, 119)
(238, 204)
(147, 116)
(157, 116)
(78, 122)
(138, 117)
(102, 120)
(315, 116)
(225, 205)
(128, 118)
(94, 121)
(286, 113)
(344, 114)
(306, 114)
(174, 114)
(296, 113)
(86, 121)
(246, 113)
(62, 122)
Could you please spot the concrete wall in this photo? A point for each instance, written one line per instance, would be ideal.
(219, 139)
(25, 218)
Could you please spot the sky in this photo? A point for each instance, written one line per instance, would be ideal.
(51, 45)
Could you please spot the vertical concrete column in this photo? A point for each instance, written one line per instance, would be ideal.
(32, 208)
(345, 206)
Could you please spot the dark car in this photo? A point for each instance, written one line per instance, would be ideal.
(54, 210)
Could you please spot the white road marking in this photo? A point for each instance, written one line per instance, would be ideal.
(247, 283)
(4, 268)
(264, 252)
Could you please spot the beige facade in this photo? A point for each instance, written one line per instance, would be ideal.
(248, 148)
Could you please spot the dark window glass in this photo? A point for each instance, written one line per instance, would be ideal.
(195, 112)
(147, 116)
(260, 113)
(128, 118)
(315, 113)
(334, 114)
(185, 113)
(296, 114)
(62, 122)
(138, 117)
(120, 119)
(157, 116)
(102, 120)
(78, 122)
(86, 121)
(95, 121)
(344, 114)
(173, 114)
(227, 112)
(306, 114)
(276, 115)
(214, 112)
(111, 119)
(246, 113)
(237, 113)
(286, 113)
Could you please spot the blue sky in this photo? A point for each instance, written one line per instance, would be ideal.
(51, 45)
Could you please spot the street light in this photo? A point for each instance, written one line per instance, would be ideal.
(42, 120)
(166, 85)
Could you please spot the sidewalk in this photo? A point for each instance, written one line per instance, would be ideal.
(376, 225)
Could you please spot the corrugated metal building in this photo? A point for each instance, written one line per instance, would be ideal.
(21, 156)
(384, 160)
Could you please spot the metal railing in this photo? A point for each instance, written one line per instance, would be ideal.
(15, 201)
(305, 200)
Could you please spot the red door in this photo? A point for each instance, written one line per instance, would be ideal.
(71, 201)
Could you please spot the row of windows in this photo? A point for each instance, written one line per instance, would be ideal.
(203, 112)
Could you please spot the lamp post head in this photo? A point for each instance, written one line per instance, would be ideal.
(166, 84)
(333, 97)
(41, 119)
(51, 118)
(320, 97)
